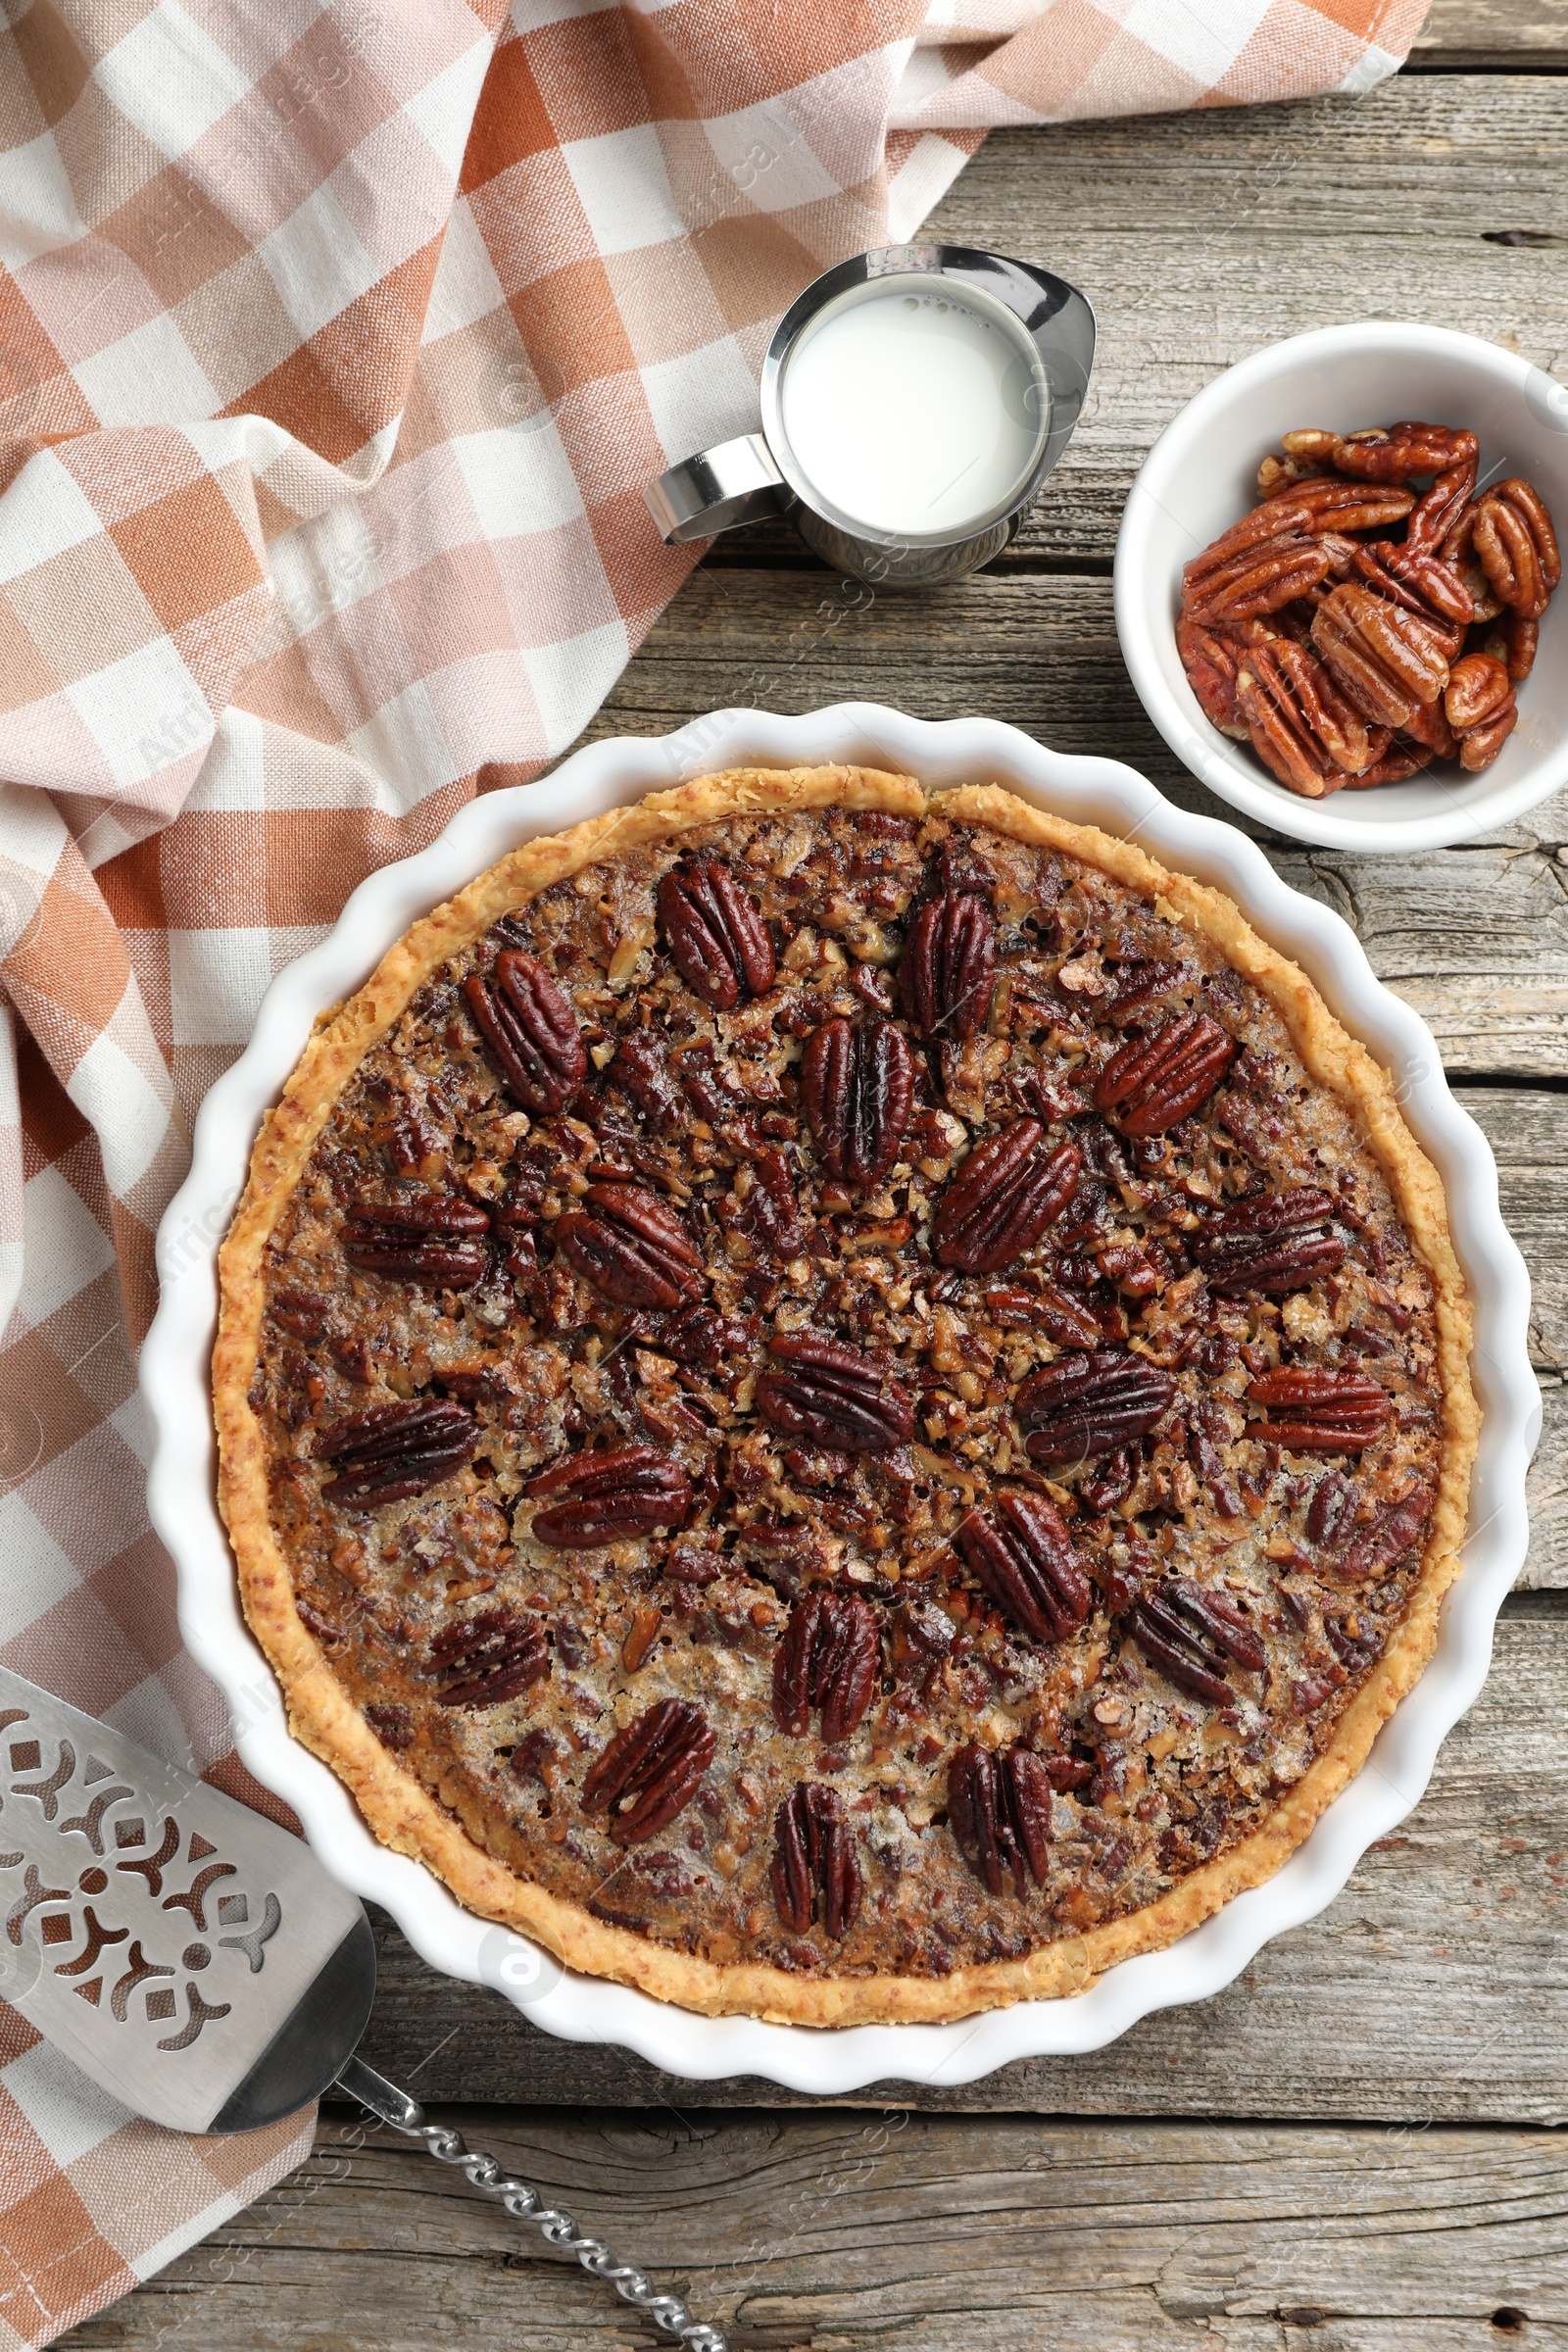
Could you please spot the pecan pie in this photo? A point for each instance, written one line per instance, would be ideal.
(841, 1403)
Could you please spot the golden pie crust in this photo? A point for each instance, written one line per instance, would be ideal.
(406, 1817)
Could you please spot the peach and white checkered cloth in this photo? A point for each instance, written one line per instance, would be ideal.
(337, 340)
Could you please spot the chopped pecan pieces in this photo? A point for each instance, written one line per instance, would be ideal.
(1188, 1633)
(481, 1660)
(947, 972)
(1269, 1242)
(1082, 1405)
(814, 1873)
(718, 941)
(827, 1658)
(649, 1771)
(1152, 1083)
(1319, 1412)
(998, 1809)
(1006, 1193)
(610, 1497)
(857, 1085)
(391, 1722)
(429, 1239)
(700, 1336)
(1024, 1557)
(395, 1450)
(530, 1030)
(832, 1396)
(632, 1247)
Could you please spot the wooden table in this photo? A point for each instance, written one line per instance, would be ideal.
(1352, 2150)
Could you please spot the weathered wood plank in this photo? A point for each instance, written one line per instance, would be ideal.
(918, 2233)
(1458, 30)
(1200, 237)
(1433, 1987)
(1476, 938)
(1528, 1131)
(1547, 1565)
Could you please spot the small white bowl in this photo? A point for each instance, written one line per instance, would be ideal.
(176, 1372)
(1199, 477)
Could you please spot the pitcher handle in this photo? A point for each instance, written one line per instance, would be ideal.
(717, 488)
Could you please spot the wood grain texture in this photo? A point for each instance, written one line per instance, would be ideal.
(1465, 32)
(1198, 238)
(832, 2232)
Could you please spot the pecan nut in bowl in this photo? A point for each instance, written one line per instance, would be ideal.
(1479, 706)
(1256, 580)
(1516, 547)
(878, 1534)
(1301, 725)
(1382, 657)
(1388, 608)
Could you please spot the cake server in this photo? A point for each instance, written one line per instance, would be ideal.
(198, 1963)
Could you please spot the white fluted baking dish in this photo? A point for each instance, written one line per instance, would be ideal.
(182, 1483)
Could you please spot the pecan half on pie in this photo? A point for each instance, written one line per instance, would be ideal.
(842, 1403)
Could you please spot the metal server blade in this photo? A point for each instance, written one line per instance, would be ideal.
(190, 1956)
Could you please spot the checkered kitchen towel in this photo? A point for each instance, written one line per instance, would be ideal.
(336, 345)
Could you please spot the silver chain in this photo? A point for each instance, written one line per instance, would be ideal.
(486, 2174)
